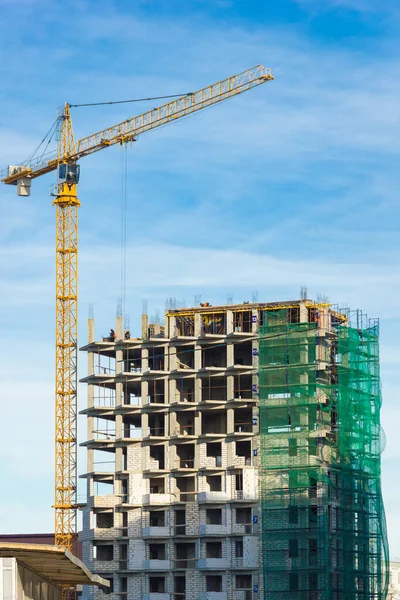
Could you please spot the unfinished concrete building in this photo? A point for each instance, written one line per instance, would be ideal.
(234, 454)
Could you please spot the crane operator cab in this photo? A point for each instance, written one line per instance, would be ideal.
(68, 173)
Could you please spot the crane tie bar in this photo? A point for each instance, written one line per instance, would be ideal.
(126, 101)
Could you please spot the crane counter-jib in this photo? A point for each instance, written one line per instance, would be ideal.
(129, 129)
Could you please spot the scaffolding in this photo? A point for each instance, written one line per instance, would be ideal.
(323, 523)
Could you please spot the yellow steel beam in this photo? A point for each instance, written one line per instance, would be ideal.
(66, 205)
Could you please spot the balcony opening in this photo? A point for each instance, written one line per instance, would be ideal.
(156, 359)
(213, 323)
(156, 425)
(157, 485)
(239, 485)
(133, 361)
(214, 583)
(214, 516)
(104, 552)
(293, 548)
(132, 393)
(213, 549)
(104, 395)
(123, 556)
(184, 390)
(104, 364)
(124, 459)
(132, 427)
(104, 462)
(124, 491)
(213, 356)
(157, 518)
(104, 429)
(243, 388)
(184, 326)
(293, 582)
(180, 587)
(243, 453)
(124, 585)
(185, 358)
(157, 460)
(186, 487)
(214, 483)
(243, 354)
(213, 422)
(313, 552)
(157, 584)
(104, 519)
(214, 450)
(313, 516)
(243, 515)
(242, 321)
(184, 424)
(185, 555)
(213, 389)
(243, 582)
(157, 391)
(124, 531)
(243, 420)
(180, 521)
(185, 456)
(157, 551)
(238, 548)
(103, 487)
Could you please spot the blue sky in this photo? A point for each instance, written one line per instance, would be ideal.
(294, 183)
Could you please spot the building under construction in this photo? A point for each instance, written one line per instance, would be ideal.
(234, 454)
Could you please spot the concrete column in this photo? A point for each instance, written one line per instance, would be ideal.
(118, 426)
(145, 327)
(229, 453)
(303, 312)
(230, 380)
(197, 423)
(255, 320)
(172, 327)
(197, 357)
(145, 424)
(119, 334)
(144, 391)
(229, 322)
(171, 363)
(197, 389)
(230, 419)
(172, 423)
(118, 459)
(145, 359)
(91, 337)
(197, 324)
(230, 354)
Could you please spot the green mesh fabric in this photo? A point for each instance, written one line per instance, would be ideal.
(323, 523)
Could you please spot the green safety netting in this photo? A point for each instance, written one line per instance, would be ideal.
(323, 522)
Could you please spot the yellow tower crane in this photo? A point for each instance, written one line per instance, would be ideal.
(65, 161)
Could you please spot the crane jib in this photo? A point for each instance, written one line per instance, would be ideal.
(127, 131)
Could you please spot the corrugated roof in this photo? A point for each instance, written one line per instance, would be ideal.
(58, 565)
